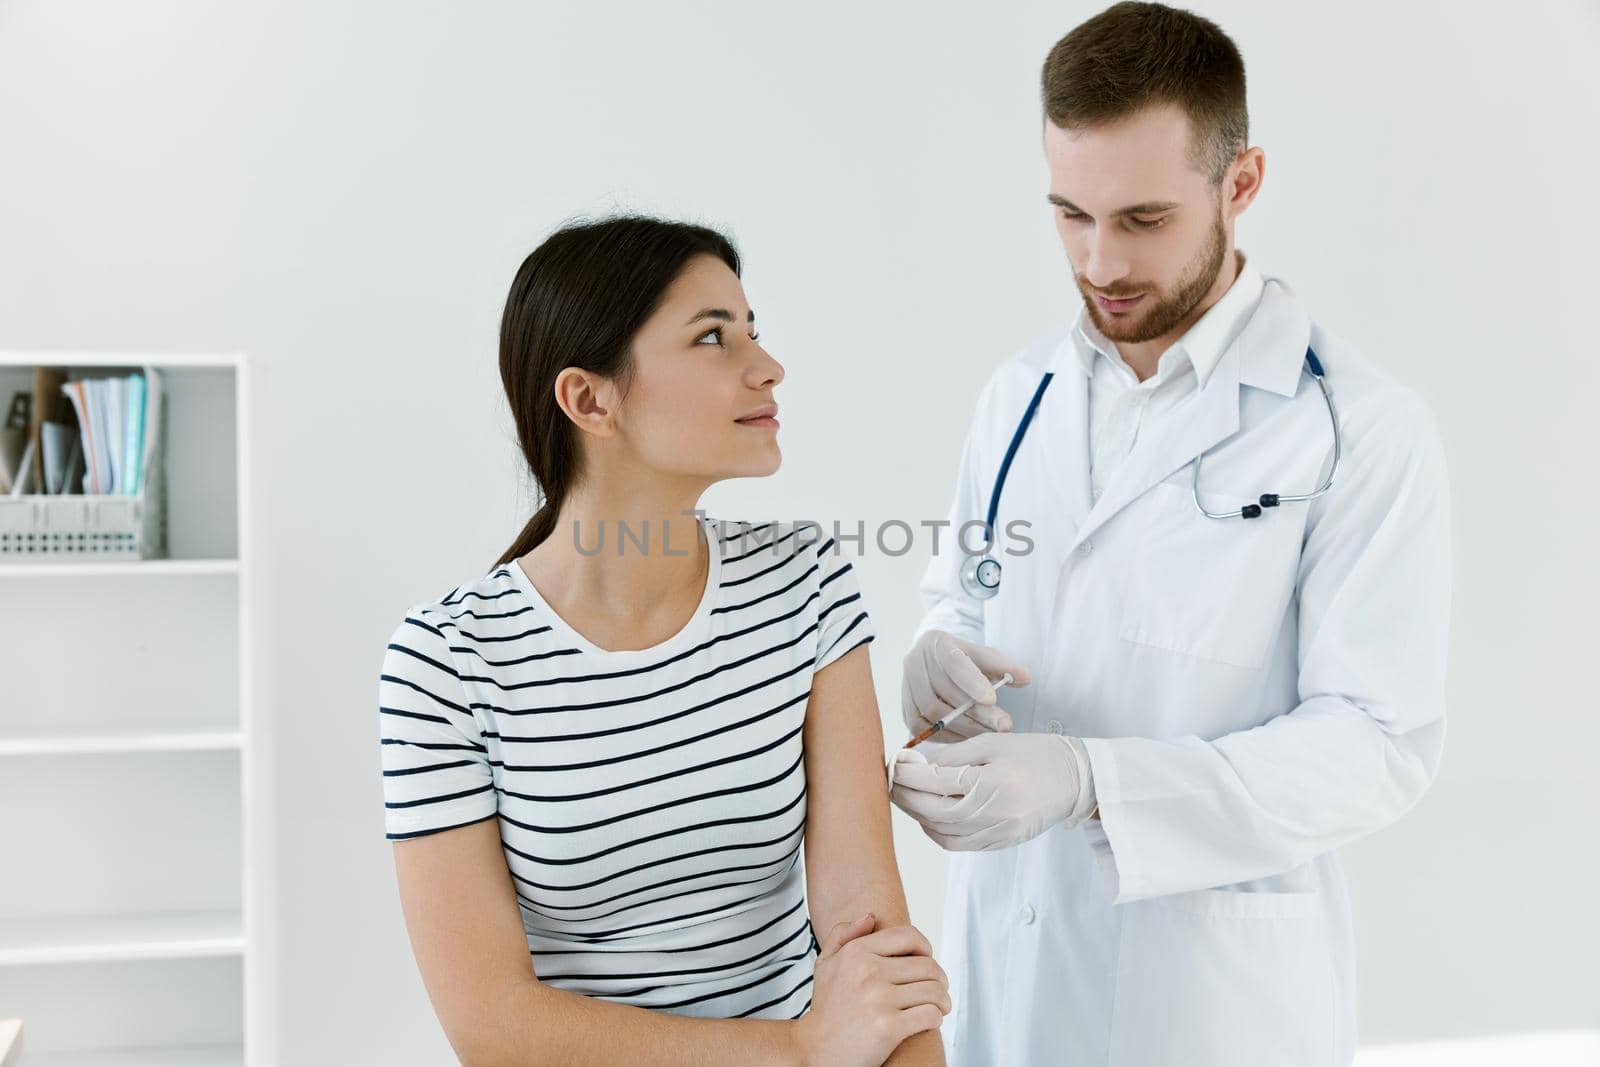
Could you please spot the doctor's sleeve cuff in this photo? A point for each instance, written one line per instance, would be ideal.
(1084, 804)
(1113, 851)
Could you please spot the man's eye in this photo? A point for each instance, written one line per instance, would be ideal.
(1146, 224)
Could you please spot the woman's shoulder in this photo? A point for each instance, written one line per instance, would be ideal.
(803, 571)
(492, 590)
(746, 543)
(487, 607)
(800, 560)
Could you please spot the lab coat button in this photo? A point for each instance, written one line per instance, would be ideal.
(1085, 548)
(1027, 914)
(1054, 726)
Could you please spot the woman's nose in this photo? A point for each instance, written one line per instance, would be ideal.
(766, 370)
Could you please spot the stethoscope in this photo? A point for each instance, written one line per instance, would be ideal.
(980, 574)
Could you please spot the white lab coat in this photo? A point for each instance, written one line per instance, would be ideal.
(1254, 694)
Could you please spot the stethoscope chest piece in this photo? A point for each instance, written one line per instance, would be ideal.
(980, 576)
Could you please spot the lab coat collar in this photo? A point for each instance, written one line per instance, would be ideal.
(1272, 346)
(1268, 353)
(1202, 344)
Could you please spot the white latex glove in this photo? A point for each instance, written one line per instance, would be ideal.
(996, 790)
(942, 672)
(903, 755)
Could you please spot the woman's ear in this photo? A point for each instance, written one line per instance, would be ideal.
(589, 400)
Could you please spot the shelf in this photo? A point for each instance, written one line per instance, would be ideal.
(121, 359)
(98, 938)
(131, 820)
(122, 738)
(171, 1056)
(82, 567)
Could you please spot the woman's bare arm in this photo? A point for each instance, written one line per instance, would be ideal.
(850, 864)
(466, 932)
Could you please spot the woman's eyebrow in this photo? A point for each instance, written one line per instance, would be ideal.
(717, 313)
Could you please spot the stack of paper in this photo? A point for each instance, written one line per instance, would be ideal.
(111, 422)
(41, 451)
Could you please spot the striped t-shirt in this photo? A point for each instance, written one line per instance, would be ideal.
(651, 802)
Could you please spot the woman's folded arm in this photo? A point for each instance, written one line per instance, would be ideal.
(466, 932)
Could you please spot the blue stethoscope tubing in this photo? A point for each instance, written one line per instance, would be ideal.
(980, 574)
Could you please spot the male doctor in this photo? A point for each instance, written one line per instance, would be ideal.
(1144, 832)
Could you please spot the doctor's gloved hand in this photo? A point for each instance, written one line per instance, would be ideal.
(997, 790)
(942, 672)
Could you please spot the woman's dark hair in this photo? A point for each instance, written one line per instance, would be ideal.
(577, 301)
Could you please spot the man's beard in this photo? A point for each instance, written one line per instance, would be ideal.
(1158, 317)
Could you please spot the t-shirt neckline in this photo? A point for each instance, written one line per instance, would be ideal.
(692, 630)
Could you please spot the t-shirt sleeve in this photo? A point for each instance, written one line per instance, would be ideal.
(842, 620)
(436, 773)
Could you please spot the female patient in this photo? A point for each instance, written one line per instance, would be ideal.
(601, 759)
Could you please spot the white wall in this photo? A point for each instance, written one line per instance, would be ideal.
(344, 190)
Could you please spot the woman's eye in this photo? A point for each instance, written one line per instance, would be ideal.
(716, 332)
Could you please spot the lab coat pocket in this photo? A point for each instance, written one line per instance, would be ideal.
(1223, 976)
(1215, 589)
(1246, 904)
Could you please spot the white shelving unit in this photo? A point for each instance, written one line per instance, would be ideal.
(130, 840)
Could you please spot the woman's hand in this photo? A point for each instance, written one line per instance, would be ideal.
(870, 991)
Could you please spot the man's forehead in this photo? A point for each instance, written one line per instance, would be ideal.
(1108, 169)
(1154, 138)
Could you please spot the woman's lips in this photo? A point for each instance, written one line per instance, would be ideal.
(766, 422)
(1117, 305)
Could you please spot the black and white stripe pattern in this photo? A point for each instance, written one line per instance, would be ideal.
(651, 802)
